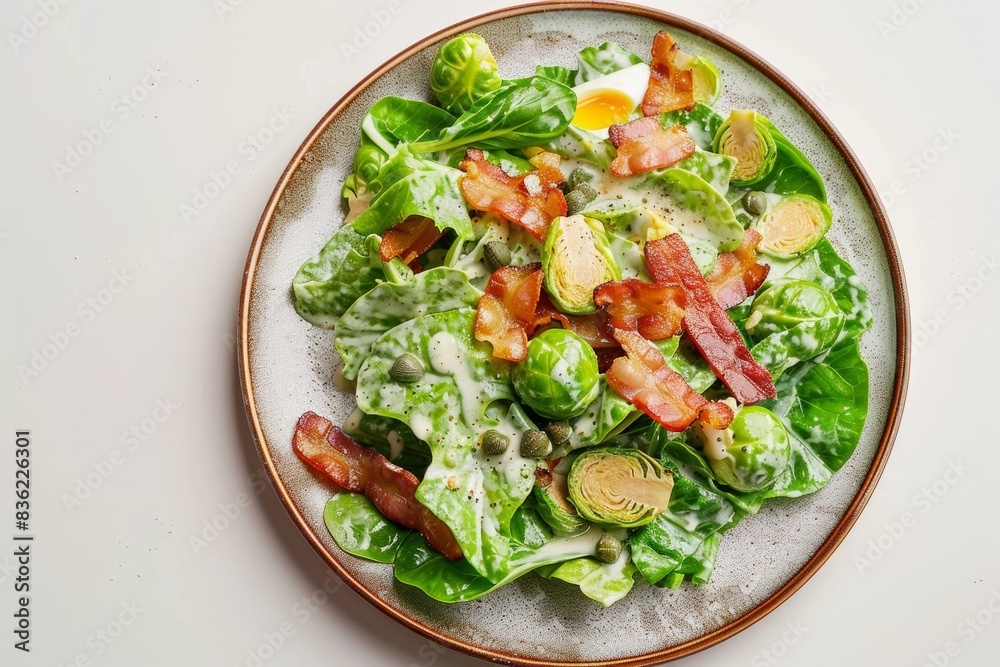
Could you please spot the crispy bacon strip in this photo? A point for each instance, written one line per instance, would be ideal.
(737, 275)
(654, 310)
(644, 146)
(360, 469)
(530, 200)
(505, 316)
(670, 87)
(644, 379)
(409, 239)
(706, 322)
(595, 329)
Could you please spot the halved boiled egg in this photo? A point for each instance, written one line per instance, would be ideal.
(610, 99)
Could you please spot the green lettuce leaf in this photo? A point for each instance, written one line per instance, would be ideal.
(327, 284)
(389, 304)
(360, 529)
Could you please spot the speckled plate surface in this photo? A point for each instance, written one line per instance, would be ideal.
(287, 366)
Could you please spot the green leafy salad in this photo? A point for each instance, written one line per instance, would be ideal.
(590, 324)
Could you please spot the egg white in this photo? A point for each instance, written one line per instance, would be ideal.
(631, 81)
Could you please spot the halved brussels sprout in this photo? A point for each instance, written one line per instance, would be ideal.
(576, 259)
(793, 225)
(789, 303)
(463, 71)
(558, 378)
(621, 487)
(705, 75)
(554, 507)
(745, 138)
(751, 453)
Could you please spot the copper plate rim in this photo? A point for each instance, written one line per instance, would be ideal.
(902, 342)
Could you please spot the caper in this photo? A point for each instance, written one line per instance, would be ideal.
(494, 442)
(576, 201)
(755, 203)
(558, 432)
(496, 254)
(608, 548)
(578, 176)
(589, 192)
(407, 368)
(535, 444)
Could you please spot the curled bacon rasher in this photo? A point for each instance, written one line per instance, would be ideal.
(361, 469)
(644, 146)
(737, 275)
(670, 87)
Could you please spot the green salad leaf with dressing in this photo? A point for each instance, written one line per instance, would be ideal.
(537, 297)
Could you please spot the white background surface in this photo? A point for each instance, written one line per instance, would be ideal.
(924, 85)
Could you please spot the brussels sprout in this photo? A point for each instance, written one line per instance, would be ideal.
(558, 378)
(751, 453)
(576, 259)
(705, 76)
(745, 138)
(463, 71)
(615, 486)
(555, 509)
(793, 226)
(788, 303)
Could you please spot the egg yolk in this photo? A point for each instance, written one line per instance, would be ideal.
(602, 109)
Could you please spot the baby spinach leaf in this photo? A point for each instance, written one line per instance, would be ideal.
(580, 144)
(390, 304)
(345, 269)
(792, 172)
(522, 112)
(396, 120)
(418, 565)
(712, 168)
(701, 122)
(407, 185)
(596, 61)
(824, 266)
(391, 438)
(606, 583)
(557, 73)
(360, 529)
(823, 404)
(703, 214)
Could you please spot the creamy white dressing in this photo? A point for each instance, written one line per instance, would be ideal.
(395, 445)
(716, 443)
(446, 358)
(421, 426)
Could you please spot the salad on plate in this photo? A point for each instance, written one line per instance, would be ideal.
(590, 323)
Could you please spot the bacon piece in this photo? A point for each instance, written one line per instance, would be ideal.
(409, 239)
(654, 310)
(706, 322)
(737, 275)
(505, 316)
(361, 469)
(670, 87)
(644, 379)
(595, 329)
(530, 200)
(644, 146)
